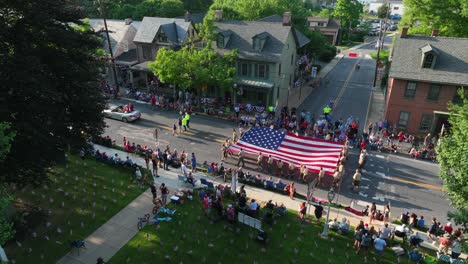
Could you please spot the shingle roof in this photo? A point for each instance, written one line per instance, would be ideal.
(195, 18)
(174, 28)
(120, 33)
(451, 66)
(244, 31)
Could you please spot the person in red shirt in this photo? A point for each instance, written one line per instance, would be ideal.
(448, 228)
(363, 144)
(153, 101)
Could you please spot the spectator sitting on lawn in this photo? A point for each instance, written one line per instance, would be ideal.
(253, 207)
(190, 179)
(421, 223)
(242, 202)
(345, 225)
(269, 180)
(405, 217)
(128, 162)
(231, 214)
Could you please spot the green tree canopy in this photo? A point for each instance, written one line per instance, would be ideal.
(449, 16)
(190, 67)
(324, 13)
(348, 11)
(50, 85)
(382, 12)
(451, 154)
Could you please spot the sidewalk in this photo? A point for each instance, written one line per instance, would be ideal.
(115, 233)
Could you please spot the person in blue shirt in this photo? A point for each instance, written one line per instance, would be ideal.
(193, 162)
(421, 222)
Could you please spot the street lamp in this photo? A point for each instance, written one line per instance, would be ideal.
(330, 196)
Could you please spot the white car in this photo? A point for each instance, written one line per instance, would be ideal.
(117, 112)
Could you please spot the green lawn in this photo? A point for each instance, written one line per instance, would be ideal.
(85, 188)
(192, 238)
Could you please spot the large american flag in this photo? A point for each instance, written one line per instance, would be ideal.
(311, 152)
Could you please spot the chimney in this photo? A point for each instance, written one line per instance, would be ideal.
(218, 15)
(287, 19)
(435, 33)
(187, 16)
(128, 21)
(404, 32)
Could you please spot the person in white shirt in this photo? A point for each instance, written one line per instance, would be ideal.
(321, 175)
(385, 232)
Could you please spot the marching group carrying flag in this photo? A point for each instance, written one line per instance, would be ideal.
(286, 146)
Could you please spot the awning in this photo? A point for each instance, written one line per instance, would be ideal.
(255, 83)
(141, 67)
(441, 112)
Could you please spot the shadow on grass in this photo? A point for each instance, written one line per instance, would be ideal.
(193, 238)
(81, 196)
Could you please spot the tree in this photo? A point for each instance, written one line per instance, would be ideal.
(348, 11)
(382, 12)
(451, 154)
(324, 13)
(171, 8)
(50, 86)
(189, 68)
(450, 17)
(6, 137)
(6, 227)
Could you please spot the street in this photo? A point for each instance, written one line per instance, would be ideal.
(404, 183)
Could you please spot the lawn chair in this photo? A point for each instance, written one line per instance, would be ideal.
(280, 186)
(443, 258)
(416, 257)
(203, 181)
(269, 185)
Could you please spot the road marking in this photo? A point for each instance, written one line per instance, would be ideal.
(345, 85)
(363, 194)
(420, 184)
(380, 156)
(364, 179)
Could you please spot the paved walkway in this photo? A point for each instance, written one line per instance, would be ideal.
(115, 233)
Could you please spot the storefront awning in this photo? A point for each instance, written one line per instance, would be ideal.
(141, 67)
(255, 83)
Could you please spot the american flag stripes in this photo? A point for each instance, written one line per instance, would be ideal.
(311, 152)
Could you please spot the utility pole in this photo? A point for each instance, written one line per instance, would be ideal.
(112, 59)
(380, 44)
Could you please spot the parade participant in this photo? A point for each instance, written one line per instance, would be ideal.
(356, 180)
(259, 161)
(279, 166)
(321, 175)
(241, 158)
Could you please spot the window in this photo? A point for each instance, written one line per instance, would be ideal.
(257, 46)
(279, 70)
(396, 8)
(146, 50)
(426, 122)
(410, 90)
(320, 24)
(220, 41)
(244, 69)
(261, 71)
(162, 37)
(434, 91)
(428, 59)
(404, 119)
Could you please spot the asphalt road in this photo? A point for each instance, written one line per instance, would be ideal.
(403, 183)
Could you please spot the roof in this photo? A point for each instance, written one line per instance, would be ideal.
(243, 33)
(127, 58)
(451, 66)
(196, 18)
(255, 82)
(301, 38)
(121, 35)
(174, 28)
(141, 67)
(331, 22)
(318, 19)
(386, 2)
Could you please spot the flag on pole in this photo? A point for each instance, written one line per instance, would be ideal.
(311, 152)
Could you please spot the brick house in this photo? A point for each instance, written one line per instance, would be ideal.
(425, 73)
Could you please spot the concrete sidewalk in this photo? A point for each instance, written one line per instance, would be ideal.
(115, 233)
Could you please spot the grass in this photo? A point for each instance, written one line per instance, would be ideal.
(192, 238)
(72, 184)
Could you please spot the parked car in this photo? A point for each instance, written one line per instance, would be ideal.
(117, 112)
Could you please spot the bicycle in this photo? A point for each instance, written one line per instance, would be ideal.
(142, 221)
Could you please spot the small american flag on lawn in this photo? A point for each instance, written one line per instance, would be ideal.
(311, 152)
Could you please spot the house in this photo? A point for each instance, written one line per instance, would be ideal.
(267, 64)
(329, 27)
(425, 73)
(155, 33)
(121, 34)
(396, 7)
